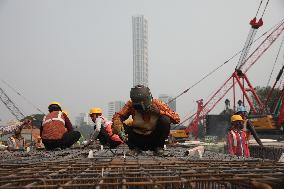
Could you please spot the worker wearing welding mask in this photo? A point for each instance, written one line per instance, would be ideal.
(248, 126)
(150, 125)
(236, 138)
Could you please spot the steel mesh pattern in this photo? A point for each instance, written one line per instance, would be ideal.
(72, 169)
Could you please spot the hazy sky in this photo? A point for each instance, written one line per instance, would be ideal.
(79, 52)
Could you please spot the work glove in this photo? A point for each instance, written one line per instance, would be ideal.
(93, 137)
(123, 136)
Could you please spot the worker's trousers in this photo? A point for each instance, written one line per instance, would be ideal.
(105, 139)
(152, 141)
(68, 139)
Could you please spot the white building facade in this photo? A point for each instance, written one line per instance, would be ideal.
(113, 107)
(140, 50)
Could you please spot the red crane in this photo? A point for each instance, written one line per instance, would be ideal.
(239, 77)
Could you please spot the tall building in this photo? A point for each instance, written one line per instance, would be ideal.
(113, 107)
(140, 50)
(166, 98)
(83, 119)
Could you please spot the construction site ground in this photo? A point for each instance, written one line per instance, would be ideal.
(94, 167)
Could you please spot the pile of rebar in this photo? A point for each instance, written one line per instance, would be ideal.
(115, 169)
(268, 152)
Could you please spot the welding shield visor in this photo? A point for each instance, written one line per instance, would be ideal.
(141, 98)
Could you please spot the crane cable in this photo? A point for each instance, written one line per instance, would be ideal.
(281, 81)
(275, 61)
(265, 8)
(258, 8)
(18, 93)
(263, 34)
(217, 68)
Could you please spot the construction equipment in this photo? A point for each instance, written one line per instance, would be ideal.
(11, 105)
(239, 77)
(14, 110)
(179, 134)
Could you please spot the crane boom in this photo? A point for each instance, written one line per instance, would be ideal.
(229, 83)
(11, 105)
(258, 52)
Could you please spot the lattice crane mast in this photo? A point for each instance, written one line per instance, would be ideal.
(11, 105)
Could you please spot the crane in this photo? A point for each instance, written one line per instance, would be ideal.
(239, 77)
(11, 105)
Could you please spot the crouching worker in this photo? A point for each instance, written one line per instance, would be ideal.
(236, 138)
(151, 122)
(17, 141)
(102, 130)
(56, 130)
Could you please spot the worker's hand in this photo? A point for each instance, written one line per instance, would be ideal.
(89, 142)
(117, 127)
(123, 136)
(125, 139)
(154, 109)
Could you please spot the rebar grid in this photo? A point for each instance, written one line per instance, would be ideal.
(114, 169)
(143, 172)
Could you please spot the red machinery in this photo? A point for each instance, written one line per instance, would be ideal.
(239, 76)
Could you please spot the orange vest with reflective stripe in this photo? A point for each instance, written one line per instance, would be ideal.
(53, 126)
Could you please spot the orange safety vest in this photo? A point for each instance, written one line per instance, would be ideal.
(53, 126)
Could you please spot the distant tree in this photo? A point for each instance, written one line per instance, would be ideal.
(262, 93)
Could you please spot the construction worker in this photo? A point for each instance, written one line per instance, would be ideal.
(248, 126)
(151, 122)
(16, 141)
(13, 127)
(236, 138)
(56, 130)
(102, 130)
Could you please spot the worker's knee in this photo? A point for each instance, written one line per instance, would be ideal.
(77, 134)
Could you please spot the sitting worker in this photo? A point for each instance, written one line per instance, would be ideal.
(16, 141)
(151, 122)
(248, 126)
(236, 138)
(56, 130)
(103, 130)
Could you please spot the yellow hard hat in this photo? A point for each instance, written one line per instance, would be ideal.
(236, 118)
(56, 103)
(96, 110)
